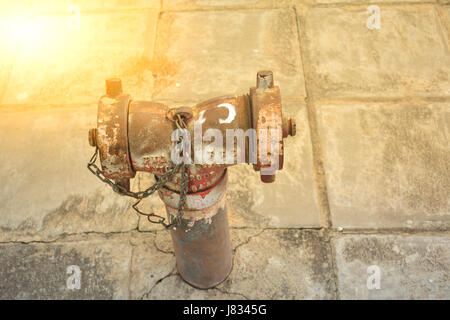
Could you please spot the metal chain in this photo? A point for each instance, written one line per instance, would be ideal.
(160, 182)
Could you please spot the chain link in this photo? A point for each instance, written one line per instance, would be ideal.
(160, 182)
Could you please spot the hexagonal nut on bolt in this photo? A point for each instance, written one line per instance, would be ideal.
(93, 137)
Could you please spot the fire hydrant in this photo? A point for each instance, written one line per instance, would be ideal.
(191, 178)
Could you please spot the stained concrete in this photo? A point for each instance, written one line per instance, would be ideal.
(61, 6)
(270, 264)
(223, 4)
(407, 56)
(444, 15)
(283, 264)
(149, 263)
(410, 267)
(39, 270)
(387, 166)
(207, 53)
(47, 189)
(57, 63)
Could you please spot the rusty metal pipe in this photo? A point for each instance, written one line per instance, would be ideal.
(202, 240)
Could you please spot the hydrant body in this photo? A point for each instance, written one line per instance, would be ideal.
(142, 136)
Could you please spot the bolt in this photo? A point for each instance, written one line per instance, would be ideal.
(113, 87)
(268, 178)
(93, 137)
(264, 80)
(289, 127)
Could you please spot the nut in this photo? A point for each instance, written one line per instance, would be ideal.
(264, 80)
(93, 137)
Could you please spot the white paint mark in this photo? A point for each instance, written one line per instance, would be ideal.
(201, 117)
(231, 112)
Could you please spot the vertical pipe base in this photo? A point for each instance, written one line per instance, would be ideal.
(202, 239)
(203, 250)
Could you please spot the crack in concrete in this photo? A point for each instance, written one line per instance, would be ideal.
(335, 232)
(159, 249)
(130, 267)
(172, 273)
(230, 293)
(70, 237)
(247, 242)
(327, 236)
(389, 231)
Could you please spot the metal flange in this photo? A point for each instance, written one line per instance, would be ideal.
(112, 133)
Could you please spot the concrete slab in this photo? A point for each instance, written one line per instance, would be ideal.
(19, 6)
(89, 5)
(149, 264)
(344, 2)
(387, 166)
(282, 264)
(62, 62)
(407, 56)
(174, 288)
(8, 57)
(214, 53)
(47, 189)
(408, 267)
(223, 4)
(42, 271)
(444, 15)
(270, 264)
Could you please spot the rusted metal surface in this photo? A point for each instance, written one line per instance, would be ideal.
(202, 244)
(203, 254)
(196, 201)
(202, 241)
(147, 128)
(112, 137)
(268, 121)
(149, 136)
